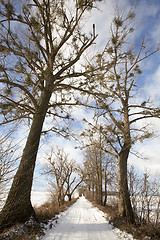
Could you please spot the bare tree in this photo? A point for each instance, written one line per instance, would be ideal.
(63, 173)
(8, 161)
(7, 165)
(134, 186)
(93, 166)
(117, 108)
(110, 179)
(149, 197)
(73, 182)
(40, 42)
(144, 191)
(57, 169)
(98, 168)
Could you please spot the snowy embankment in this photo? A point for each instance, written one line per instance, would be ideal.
(83, 221)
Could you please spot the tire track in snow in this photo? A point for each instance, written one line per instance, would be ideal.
(82, 221)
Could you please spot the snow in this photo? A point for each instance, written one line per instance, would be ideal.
(38, 198)
(83, 221)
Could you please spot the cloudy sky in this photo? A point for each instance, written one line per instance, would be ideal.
(147, 24)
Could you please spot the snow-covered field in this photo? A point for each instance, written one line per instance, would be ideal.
(147, 206)
(38, 198)
(83, 221)
(142, 205)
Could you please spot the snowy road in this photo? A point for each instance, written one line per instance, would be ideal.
(83, 221)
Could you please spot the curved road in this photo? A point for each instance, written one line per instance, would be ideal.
(83, 221)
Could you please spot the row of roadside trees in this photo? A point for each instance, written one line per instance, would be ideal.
(41, 43)
(97, 179)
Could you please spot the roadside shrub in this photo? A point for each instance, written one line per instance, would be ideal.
(48, 210)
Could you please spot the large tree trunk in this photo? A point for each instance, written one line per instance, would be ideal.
(124, 205)
(69, 197)
(18, 207)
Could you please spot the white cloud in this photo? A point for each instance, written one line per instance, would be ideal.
(80, 113)
(68, 146)
(152, 86)
(150, 150)
(102, 18)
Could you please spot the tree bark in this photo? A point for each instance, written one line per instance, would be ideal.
(69, 197)
(124, 204)
(93, 189)
(18, 207)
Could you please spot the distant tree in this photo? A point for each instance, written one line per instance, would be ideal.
(93, 172)
(150, 187)
(110, 177)
(98, 168)
(62, 173)
(8, 162)
(57, 169)
(40, 45)
(144, 191)
(117, 108)
(73, 182)
(134, 186)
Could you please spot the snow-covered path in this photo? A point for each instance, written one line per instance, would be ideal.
(83, 221)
